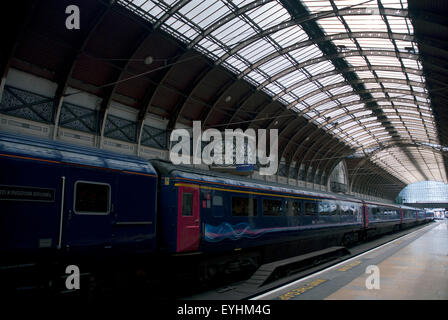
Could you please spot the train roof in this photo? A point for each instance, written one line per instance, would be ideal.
(167, 168)
(63, 152)
(411, 208)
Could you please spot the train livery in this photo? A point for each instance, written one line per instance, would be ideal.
(59, 197)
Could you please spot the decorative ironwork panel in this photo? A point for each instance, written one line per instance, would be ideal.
(282, 170)
(78, 118)
(120, 129)
(292, 171)
(153, 137)
(302, 174)
(338, 187)
(27, 105)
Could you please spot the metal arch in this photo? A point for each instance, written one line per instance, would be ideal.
(263, 111)
(339, 150)
(226, 19)
(243, 105)
(331, 163)
(11, 42)
(298, 134)
(149, 96)
(313, 137)
(406, 143)
(367, 182)
(233, 114)
(280, 136)
(398, 160)
(312, 171)
(224, 89)
(325, 146)
(336, 158)
(307, 18)
(414, 173)
(363, 81)
(338, 72)
(170, 12)
(383, 148)
(364, 147)
(106, 102)
(352, 120)
(358, 93)
(284, 154)
(338, 36)
(339, 144)
(357, 179)
(375, 181)
(351, 53)
(66, 76)
(204, 73)
(310, 121)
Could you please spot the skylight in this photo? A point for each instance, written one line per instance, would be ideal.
(261, 42)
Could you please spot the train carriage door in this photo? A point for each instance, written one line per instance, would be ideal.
(88, 208)
(365, 209)
(188, 230)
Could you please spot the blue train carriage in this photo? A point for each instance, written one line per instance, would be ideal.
(62, 197)
(382, 218)
(410, 216)
(210, 212)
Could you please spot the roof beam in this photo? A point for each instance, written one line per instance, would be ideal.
(227, 18)
(13, 36)
(303, 17)
(345, 54)
(110, 90)
(79, 48)
(325, 39)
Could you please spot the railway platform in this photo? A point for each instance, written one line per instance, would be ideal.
(412, 267)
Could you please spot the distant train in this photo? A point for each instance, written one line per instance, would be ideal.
(56, 197)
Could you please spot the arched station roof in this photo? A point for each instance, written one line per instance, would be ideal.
(341, 79)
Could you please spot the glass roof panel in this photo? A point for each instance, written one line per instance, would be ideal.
(306, 53)
(256, 50)
(248, 38)
(331, 25)
(275, 65)
(361, 23)
(289, 35)
(269, 14)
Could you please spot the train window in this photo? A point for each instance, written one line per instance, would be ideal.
(272, 207)
(217, 200)
(244, 207)
(310, 208)
(355, 209)
(347, 210)
(92, 198)
(334, 208)
(187, 204)
(390, 212)
(293, 208)
(324, 208)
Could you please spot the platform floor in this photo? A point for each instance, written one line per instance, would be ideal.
(412, 267)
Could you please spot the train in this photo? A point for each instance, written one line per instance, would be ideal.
(57, 198)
